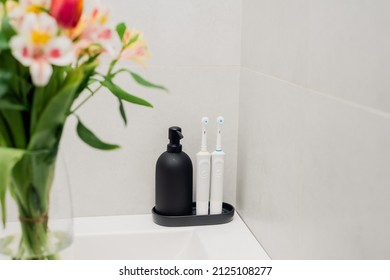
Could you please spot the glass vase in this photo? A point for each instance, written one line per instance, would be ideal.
(40, 219)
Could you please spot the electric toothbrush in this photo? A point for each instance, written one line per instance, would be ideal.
(218, 163)
(203, 174)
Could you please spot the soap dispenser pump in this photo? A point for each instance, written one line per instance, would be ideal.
(174, 178)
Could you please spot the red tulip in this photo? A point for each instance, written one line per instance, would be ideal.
(67, 12)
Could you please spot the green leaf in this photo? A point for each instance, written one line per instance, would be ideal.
(47, 132)
(14, 119)
(43, 95)
(122, 111)
(142, 81)
(6, 104)
(7, 29)
(5, 133)
(3, 42)
(89, 71)
(14, 83)
(5, 77)
(91, 139)
(8, 158)
(121, 29)
(3, 142)
(20, 87)
(145, 83)
(123, 95)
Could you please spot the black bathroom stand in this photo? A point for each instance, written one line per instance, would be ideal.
(195, 220)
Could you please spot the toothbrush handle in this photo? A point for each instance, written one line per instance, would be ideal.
(216, 194)
(203, 183)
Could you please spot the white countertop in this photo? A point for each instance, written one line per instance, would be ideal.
(138, 237)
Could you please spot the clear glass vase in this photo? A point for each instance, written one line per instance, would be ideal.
(40, 219)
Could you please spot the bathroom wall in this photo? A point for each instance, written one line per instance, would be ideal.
(314, 144)
(304, 88)
(195, 46)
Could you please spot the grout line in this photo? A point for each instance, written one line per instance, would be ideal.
(241, 30)
(195, 66)
(238, 105)
(341, 100)
(169, 66)
(239, 100)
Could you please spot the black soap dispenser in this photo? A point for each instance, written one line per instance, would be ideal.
(174, 178)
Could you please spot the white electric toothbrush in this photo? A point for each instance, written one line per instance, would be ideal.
(203, 174)
(218, 163)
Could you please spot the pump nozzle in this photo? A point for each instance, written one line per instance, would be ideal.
(175, 135)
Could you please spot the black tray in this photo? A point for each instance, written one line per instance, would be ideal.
(195, 220)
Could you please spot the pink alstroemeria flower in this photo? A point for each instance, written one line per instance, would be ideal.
(35, 6)
(135, 47)
(23, 7)
(38, 47)
(94, 29)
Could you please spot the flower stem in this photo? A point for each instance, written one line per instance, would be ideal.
(92, 93)
(112, 65)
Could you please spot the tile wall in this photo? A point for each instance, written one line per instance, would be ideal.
(314, 128)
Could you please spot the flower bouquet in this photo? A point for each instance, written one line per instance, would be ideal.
(49, 55)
